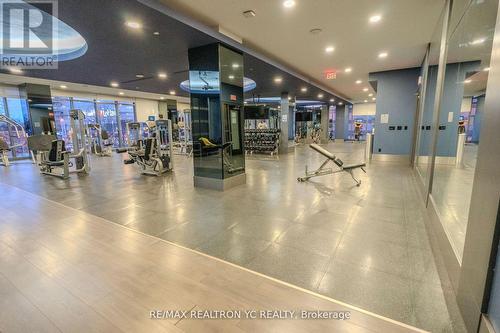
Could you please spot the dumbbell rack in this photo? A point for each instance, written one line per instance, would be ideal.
(262, 141)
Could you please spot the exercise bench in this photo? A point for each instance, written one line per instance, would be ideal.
(322, 171)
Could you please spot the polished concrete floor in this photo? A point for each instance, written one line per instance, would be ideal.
(366, 246)
(70, 271)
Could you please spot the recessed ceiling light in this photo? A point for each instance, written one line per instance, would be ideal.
(14, 70)
(115, 84)
(278, 79)
(320, 95)
(340, 103)
(121, 93)
(172, 92)
(139, 76)
(304, 89)
(236, 65)
(374, 99)
(468, 81)
(329, 49)
(383, 55)
(249, 14)
(162, 98)
(231, 77)
(359, 82)
(370, 95)
(487, 69)
(332, 100)
(162, 75)
(289, 3)
(366, 101)
(156, 33)
(62, 86)
(478, 41)
(365, 89)
(348, 70)
(133, 24)
(375, 18)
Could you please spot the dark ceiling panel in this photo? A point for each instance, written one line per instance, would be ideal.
(118, 53)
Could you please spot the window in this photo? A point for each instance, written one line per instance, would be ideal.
(17, 110)
(4, 128)
(88, 108)
(108, 119)
(62, 107)
(127, 115)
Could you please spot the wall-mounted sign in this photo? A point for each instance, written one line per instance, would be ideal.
(450, 117)
(233, 97)
(330, 75)
(384, 118)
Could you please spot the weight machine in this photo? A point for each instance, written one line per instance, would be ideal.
(185, 133)
(54, 159)
(5, 147)
(152, 155)
(100, 143)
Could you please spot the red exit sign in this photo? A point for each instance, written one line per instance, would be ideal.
(330, 75)
(233, 97)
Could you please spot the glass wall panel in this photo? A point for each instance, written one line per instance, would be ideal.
(127, 115)
(17, 110)
(108, 120)
(469, 54)
(427, 99)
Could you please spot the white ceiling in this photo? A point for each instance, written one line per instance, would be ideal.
(71, 87)
(283, 34)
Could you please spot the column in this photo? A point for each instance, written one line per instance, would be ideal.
(284, 123)
(39, 101)
(216, 84)
(325, 118)
(340, 123)
(291, 119)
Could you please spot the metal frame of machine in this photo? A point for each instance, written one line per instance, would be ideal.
(322, 171)
(152, 155)
(4, 146)
(99, 141)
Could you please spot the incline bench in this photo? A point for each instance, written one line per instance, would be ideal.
(322, 171)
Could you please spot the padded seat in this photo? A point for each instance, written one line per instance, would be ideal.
(53, 164)
(337, 161)
(322, 151)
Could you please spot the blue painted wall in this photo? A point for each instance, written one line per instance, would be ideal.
(395, 96)
(477, 120)
(451, 103)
